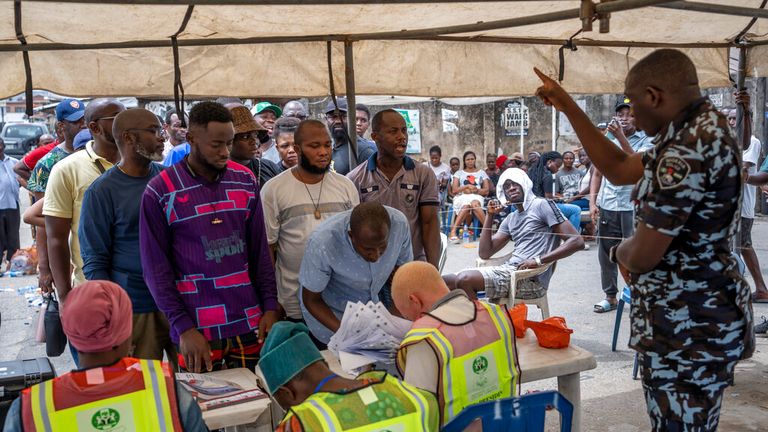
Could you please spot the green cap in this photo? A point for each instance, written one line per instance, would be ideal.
(266, 106)
(287, 351)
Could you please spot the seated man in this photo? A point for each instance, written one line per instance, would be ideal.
(454, 334)
(349, 258)
(316, 399)
(111, 391)
(530, 227)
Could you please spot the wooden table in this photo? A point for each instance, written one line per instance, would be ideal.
(247, 413)
(537, 363)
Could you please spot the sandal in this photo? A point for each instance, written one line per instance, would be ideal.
(604, 306)
(756, 299)
(454, 240)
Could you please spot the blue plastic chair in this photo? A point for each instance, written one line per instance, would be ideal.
(446, 219)
(519, 414)
(626, 297)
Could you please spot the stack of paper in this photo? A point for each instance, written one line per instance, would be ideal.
(367, 332)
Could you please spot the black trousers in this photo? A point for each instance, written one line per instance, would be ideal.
(616, 225)
(10, 220)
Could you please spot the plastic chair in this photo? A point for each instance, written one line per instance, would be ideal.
(443, 252)
(626, 297)
(446, 220)
(542, 302)
(519, 414)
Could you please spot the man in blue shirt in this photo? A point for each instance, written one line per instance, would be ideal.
(613, 204)
(109, 227)
(349, 258)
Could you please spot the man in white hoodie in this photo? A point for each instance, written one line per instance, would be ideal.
(541, 235)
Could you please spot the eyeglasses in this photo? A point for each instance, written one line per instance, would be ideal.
(158, 131)
(105, 118)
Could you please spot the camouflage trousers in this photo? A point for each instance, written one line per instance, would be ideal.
(684, 396)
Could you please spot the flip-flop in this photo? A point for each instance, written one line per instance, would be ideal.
(759, 300)
(454, 239)
(604, 306)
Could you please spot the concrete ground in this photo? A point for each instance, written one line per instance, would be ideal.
(612, 400)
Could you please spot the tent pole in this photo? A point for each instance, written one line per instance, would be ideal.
(554, 128)
(522, 120)
(740, 81)
(349, 75)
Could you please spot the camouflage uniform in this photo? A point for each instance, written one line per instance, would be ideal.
(692, 314)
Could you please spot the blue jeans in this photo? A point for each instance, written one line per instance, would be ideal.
(572, 213)
(583, 203)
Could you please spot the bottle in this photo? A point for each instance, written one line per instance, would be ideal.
(465, 235)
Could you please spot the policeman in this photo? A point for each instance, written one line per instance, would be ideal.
(319, 400)
(691, 311)
(112, 391)
(461, 349)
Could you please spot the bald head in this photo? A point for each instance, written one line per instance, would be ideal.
(661, 86)
(416, 287)
(98, 108)
(295, 109)
(665, 69)
(308, 128)
(137, 118)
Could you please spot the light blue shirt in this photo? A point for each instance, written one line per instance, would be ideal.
(618, 198)
(176, 154)
(9, 185)
(331, 266)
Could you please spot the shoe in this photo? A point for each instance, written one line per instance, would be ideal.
(762, 328)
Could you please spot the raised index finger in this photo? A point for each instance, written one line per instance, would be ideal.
(542, 76)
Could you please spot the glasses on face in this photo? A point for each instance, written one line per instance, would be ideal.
(105, 118)
(158, 131)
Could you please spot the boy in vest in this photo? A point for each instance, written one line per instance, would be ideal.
(112, 391)
(319, 400)
(463, 350)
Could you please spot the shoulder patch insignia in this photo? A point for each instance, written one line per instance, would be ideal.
(671, 171)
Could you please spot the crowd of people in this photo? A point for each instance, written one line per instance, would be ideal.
(210, 239)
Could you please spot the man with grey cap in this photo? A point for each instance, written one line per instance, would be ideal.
(336, 118)
(317, 399)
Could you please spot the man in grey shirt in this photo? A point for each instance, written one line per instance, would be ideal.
(541, 234)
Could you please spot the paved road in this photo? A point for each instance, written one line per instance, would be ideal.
(612, 400)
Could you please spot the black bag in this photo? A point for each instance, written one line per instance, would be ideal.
(55, 339)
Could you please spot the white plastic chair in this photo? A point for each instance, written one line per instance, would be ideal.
(542, 302)
(443, 252)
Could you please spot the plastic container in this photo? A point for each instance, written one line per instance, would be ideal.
(465, 235)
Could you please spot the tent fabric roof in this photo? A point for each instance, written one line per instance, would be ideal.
(474, 52)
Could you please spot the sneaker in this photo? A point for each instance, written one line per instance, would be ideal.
(762, 328)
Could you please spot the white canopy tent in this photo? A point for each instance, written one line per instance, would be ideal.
(282, 48)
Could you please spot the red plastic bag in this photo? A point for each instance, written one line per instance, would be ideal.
(552, 332)
(518, 315)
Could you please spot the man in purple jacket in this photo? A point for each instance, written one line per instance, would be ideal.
(204, 250)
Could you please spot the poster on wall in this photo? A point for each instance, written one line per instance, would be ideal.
(515, 119)
(413, 123)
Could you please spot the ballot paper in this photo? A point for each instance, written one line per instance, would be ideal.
(368, 334)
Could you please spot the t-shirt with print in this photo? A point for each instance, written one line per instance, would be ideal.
(38, 180)
(531, 232)
(289, 214)
(567, 182)
(752, 155)
(471, 178)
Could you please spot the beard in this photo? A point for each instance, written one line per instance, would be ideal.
(304, 162)
(339, 135)
(146, 154)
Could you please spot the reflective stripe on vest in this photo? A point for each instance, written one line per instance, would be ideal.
(147, 409)
(485, 372)
(416, 420)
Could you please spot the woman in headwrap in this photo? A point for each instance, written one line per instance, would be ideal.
(470, 186)
(542, 177)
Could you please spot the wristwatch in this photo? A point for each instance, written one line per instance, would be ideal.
(612, 254)
(538, 261)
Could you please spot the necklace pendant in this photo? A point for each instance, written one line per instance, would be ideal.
(317, 214)
(216, 221)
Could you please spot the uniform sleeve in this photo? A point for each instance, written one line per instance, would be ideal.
(315, 271)
(678, 184)
(269, 204)
(96, 220)
(428, 195)
(59, 201)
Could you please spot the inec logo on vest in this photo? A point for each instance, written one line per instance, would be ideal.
(105, 419)
(480, 365)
